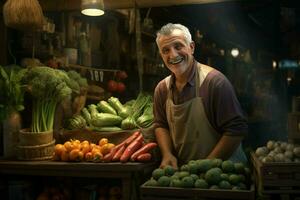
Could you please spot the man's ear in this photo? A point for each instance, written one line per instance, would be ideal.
(192, 46)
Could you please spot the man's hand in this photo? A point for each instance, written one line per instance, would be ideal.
(169, 159)
(165, 144)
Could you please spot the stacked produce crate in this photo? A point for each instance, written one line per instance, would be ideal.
(209, 179)
(277, 170)
(294, 121)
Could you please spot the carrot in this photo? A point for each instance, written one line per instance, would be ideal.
(144, 149)
(108, 157)
(131, 138)
(131, 148)
(144, 157)
(119, 153)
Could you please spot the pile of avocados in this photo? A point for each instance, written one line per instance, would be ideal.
(203, 174)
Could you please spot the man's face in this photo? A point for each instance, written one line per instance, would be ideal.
(175, 52)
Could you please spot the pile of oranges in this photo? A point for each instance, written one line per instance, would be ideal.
(75, 150)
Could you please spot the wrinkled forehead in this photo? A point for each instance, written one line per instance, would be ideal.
(174, 32)
(175, 35)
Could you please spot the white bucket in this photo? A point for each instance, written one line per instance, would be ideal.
(72, 55)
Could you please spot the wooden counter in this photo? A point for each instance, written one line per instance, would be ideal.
(126, 172)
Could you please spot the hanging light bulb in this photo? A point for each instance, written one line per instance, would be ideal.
(92, 7)
(235, 52)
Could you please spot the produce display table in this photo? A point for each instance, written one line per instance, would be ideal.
(125, 172)
(167, 193)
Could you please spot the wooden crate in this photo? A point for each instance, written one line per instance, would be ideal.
(287, 196)
(94, 136)
(171, 193)
(276, 178)
(294, 127)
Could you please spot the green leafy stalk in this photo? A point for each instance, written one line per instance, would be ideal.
(11, 90)
(48, 88)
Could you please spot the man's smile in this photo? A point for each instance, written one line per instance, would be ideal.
(176, 60)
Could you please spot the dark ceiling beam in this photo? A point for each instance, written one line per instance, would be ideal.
(71, 5)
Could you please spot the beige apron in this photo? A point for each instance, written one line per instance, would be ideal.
(192, 135)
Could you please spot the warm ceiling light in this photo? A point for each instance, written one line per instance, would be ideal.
(235, 52)
(92, 7)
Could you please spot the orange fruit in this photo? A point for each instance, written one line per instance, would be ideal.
(95, 149)
(103, 141)
(76, 145)
(58, 149)
(74, 155)
(64, 156)
(68, 145)
(75, 141)
(85, 142)
(80, 156)
(85, 148)
(88, 157)
(92, 145)
(105, 149)
(97, 156)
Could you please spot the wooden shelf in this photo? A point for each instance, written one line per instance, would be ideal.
(97, 98)
(90, 68)
(123, 171)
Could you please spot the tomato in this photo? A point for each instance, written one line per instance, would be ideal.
(121, 75)
(52, 63)
(112, 86)
(121, 87)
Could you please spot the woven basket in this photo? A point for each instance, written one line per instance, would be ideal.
(26, 15)
(36, 152)
(28, 138)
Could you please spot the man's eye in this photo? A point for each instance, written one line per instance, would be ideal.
(164, 51)
(178, 46)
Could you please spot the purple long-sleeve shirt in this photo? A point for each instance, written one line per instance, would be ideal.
(220, 103)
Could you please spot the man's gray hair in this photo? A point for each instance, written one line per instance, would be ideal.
(169, 28)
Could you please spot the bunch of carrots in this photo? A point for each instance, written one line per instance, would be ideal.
(132, 149)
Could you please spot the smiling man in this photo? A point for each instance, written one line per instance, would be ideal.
(197, 114)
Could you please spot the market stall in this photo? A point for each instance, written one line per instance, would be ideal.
(86, 111)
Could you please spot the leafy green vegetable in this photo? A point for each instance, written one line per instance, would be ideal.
(76, 122)
(11, 90)
(105, 119)
(137, 109)
(117, 105)
(93, 110)
(147, 118)
(48, 87)
(81, 81)
(86, 115)
(106, 108)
